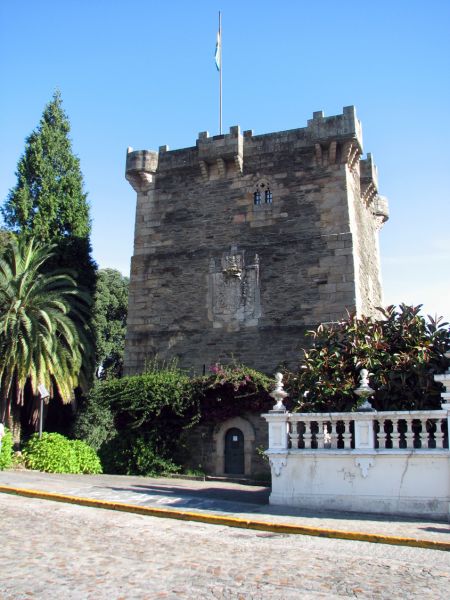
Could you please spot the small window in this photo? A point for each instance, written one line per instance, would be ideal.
(268, 197)
(257, 198)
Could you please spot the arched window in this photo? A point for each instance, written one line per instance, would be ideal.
(262, 194)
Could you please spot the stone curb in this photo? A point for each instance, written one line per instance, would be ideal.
(229, 521)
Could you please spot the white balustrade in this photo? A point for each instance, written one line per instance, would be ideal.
(293, 435)
(396, 430)
(394, 462)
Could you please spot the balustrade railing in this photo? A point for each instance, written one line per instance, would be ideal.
(388, 430)
(394, 461)
(363, 430)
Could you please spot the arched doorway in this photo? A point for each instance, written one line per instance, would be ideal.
(248, 434)
(234, 452)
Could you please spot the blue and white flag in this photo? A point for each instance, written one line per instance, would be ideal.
(218, 52)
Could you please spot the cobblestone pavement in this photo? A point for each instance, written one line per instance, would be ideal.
(61, 551)
(218, 497)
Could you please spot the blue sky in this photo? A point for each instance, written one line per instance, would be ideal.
(142, 74)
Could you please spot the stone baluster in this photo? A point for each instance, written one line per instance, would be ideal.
(382, 436)
(423, 433)
(307, 436)
(347, 435)
(409, 433)
(439, 435)
(320, 436)
(293, 435)
(395, 435)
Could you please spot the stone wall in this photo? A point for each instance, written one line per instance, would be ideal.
(243, 243)
(203, 447)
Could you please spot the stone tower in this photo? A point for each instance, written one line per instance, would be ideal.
(244, 242)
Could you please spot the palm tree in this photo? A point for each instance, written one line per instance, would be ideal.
(43, 320)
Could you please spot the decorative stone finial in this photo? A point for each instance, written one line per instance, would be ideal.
(444, 378)
(364, 391)
(278, 394)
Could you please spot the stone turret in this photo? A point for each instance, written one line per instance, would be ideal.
(141, 168)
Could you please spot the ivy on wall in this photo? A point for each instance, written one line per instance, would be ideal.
(136, 423)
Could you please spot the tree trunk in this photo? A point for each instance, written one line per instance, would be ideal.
(13, 422)
(35, 413)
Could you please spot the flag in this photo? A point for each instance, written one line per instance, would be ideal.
(217, 55)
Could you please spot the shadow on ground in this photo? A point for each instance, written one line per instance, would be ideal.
(182, 496)
(249, 500)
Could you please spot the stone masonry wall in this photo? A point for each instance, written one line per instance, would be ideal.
(199, 448)
(216, 276)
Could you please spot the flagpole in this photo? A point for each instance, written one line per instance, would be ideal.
(220, 73)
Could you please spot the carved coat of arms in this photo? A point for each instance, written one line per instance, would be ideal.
(233, 290)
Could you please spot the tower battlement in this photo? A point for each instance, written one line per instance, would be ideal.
(336, 127)
(243, 242)
(328, 137)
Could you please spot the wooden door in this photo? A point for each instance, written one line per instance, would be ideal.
(234, 452)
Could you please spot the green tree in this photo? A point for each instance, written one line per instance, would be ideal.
(48, 202)
(40, 338)
(109, 321)
(402, 351)
(5, 236)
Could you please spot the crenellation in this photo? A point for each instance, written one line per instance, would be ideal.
(369, 171)
(219, 151)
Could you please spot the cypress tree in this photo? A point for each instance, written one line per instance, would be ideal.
(48, 201)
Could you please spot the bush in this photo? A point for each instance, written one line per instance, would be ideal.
(53, 453)
(86, 458)
(135, 455)
(6, 453)
(136, 423)
(159, 399)
(402, 351)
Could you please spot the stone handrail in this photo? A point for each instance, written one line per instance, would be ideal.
(395, 430)
(391, 429)
(363, 430)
